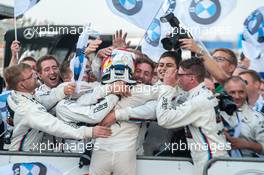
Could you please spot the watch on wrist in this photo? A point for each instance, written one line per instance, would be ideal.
(200, 53)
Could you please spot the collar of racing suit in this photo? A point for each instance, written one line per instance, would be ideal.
(15, 97)
(44, 87)
(196, 89)
(247, 112)
(22, 94)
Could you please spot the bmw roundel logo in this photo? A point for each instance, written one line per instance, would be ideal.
(128, 7)
(153, 34)
(253, 22)
(30, 168)
(205, 11)
(172, 6)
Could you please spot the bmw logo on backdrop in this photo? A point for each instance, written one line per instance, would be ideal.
(128, 7)
(153, 34)
(253, 22)
(205, 11)
(30, 168)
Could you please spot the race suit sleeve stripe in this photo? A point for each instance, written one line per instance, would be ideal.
(23, 140)
(210, 155)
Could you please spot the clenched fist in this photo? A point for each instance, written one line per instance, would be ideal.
(69, 89)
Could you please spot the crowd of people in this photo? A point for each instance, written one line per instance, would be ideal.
(152, 109)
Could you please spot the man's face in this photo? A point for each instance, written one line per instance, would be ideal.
(143, 73)
(155, 77)
(28, 80)
(185, 79)
(262, 89)
(88, 75)
(224, 61)
(237, 89)
(68, 76)
(164, 64)
(49, 73)
(252, 86)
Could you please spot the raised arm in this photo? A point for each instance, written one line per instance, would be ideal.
(211, 66)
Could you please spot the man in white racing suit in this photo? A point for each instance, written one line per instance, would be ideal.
(89, 109)
(197, 113)
(245, 128)
(31, 119)
(117, 154)
(48, 72)
(90, 106)
(157, 136)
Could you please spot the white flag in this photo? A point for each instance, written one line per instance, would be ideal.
(151, 45)
(138, 12)
(253, 40)
(21, 6)
(78, 63)
(199, 15)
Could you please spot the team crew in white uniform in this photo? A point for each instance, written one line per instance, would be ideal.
(31, 118)
(112, 109)
(197, 113)
(246, 126)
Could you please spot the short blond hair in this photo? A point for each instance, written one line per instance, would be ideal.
(13, 74)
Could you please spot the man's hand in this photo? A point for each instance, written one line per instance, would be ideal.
(104, 52)
(170, 77)
(190, 44)
(236, 143)
(109, 120)
(119, 40)
(15, 47)
(93, 45)
(119, 88)
(69, 89)
(101, 131)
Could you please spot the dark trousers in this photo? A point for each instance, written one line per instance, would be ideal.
(2, 129)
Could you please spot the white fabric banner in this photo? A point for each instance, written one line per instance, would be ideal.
(253, 40)
(138, 12)
(21, 6)
(78, 63)
(200, 15)
(195, 16)
(151, 45)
